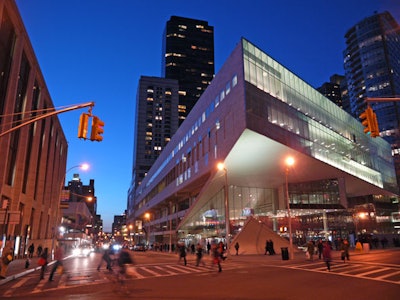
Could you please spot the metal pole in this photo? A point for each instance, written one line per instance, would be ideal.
(289, 216)
(226, 212)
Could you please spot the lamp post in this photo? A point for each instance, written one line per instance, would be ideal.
(289, 162)
(82, 167)
(221, 167)
(147, 217)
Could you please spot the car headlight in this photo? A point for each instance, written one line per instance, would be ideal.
(76, 251)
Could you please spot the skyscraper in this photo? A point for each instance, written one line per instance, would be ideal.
(331, 89)
(156, 122)
(188, 56)
(372, 69)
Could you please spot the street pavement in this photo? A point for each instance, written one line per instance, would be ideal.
(17, 267)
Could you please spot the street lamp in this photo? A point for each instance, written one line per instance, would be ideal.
(221, 167)
(147, 217)
(84, 167)
(289, 162)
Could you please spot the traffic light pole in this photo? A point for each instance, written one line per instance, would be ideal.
(73, 107)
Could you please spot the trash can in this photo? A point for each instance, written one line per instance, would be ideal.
(285, 253)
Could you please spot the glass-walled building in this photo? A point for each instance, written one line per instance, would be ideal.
(254, 115)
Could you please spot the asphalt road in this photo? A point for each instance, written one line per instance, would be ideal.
(375, 275)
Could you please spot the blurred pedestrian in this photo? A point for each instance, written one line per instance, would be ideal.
(31, 250)
(310, 250)
(345, 250)
(39, 250)
(320, 247)
(43, 261)
(208, 247)
(199, 255)
(216, 253)
(237, 248)
(182, 253)
(58, 256)
(107, 258)
(7, 257)
(326, 253)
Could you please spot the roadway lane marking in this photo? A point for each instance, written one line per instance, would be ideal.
(373, 271)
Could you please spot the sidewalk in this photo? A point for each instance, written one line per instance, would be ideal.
(17, 268)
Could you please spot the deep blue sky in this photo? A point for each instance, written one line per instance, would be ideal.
(96, 50)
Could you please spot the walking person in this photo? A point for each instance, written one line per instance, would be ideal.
(216, 253)
(43, 261)
(31, 250)
(58, 256)
(182, 253)
(320, 247)
(39, 250)
(345, 250)
(199, 255)
(326, 253)
(7, 257)
(237, 248)
(310, 250)
(107, 258)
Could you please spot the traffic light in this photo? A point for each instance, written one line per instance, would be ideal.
(83, 126)
(374, 125)
(97, 129)
(370, 122)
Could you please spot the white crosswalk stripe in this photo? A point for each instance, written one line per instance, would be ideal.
(369, 271)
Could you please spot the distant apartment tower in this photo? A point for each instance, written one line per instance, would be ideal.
(156, 122)
(332, 90)
(188, 56)
(372, 69)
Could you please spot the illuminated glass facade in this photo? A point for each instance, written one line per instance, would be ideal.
(254, 113)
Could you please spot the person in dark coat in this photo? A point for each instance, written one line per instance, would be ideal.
(43, 261)
(182, 253)
(326, 253)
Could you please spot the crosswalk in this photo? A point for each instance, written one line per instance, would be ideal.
(364, 270)
(30, 284)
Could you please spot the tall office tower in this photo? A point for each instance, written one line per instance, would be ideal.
(331, 89)
(372, 69)
(188, 56)
(156, 122)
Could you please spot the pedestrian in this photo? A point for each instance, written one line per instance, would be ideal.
(7, 257)
(199, 255)
(266, 247)
(107, 258)
(182, 253)
(310, 250)
(221, 249)
(43, 261)
(58, 256)
(326, 253)
(237, 248)
(345, 250)
(271, 247)
(39, 250)
(208, 247)
(320, 247)
(216, 253)
(31, 250)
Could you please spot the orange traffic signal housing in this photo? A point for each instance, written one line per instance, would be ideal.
(97, 129)
(83, 126)
(370, 122)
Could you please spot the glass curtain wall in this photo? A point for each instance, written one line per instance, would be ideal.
(327, 132)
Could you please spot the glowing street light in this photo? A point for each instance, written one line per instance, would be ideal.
(289, 163)
(84, 167)
(221, 167)
(147, 217)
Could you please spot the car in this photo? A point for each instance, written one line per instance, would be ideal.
(82, 251)
(139, 247)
